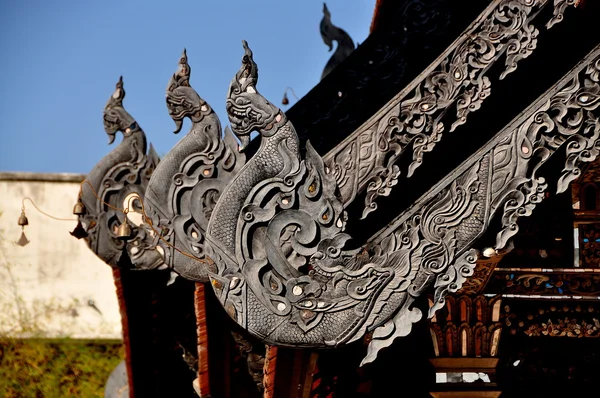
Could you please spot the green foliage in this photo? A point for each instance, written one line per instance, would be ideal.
(51, 368)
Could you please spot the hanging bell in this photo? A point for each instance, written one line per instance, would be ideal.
(79, 208)
(285, 99)
(23, 221)
(124, 231)
(79, 232)
(22, 240)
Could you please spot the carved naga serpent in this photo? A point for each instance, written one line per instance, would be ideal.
(186, 185)
(276, 234)
(276, 238)
(117, 182)
(331, 33)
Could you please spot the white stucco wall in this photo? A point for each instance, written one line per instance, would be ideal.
(45, 286)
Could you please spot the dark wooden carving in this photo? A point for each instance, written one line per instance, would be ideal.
(118, 182)
(186, 185)
(554, 318)
(411, 123)
(269, 233)
(276, 233)
(331, 33)
(589, 245)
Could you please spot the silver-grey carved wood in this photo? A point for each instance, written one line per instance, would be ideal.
(185, 187)
(116, 182)
(368, 159)
(507, 180)
(276, 234)
(331, 33)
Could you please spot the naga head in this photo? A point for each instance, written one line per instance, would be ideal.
(247, 109)
(116, 118)
(326, 27)
(182, 99)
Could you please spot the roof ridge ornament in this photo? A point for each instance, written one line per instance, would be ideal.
(331, 33)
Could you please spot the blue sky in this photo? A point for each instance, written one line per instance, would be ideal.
(61, 59)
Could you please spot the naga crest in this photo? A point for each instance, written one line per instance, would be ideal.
(326, 27)
(187, 183)
(116, 118)
(115, 183)
(247, 110)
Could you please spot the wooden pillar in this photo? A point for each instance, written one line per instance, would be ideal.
(202, 383)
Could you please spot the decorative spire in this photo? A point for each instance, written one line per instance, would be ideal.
(182, 100)
(116, 99)
(248, 73)
(181, 78)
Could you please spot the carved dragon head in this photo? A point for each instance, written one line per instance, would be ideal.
(116, 118)
(182, 100)
(247, 109)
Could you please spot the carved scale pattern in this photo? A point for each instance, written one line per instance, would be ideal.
(368, 160)
(285, 275)
(118, 179)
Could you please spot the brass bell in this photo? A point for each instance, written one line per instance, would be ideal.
(124, 231)
(23, 221)
(285, 99)
(79, 208)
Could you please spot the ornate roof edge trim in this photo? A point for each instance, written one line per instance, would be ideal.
(112, 191)
(366, 159)
(500, 178)
(512, 126)
(397, 99)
